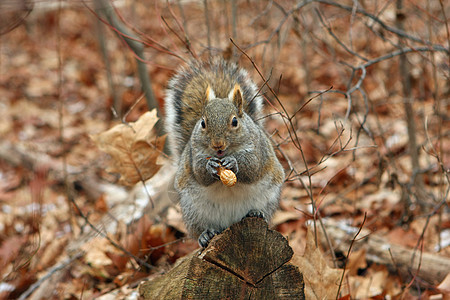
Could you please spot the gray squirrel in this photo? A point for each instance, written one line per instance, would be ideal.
(214, 119)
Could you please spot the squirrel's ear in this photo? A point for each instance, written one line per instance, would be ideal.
(210, 93)
(236, 96)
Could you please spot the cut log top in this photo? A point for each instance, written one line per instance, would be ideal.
(246, 261)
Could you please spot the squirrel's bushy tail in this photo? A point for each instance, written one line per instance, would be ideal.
(186, 96)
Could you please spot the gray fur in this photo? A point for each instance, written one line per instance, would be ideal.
(176, 88)
(202, 136)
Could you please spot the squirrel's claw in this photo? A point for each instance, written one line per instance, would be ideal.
(255, 213)
(212, 165)
(230, 163)
(206, 236)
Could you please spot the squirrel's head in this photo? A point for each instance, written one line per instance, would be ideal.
(220, 125)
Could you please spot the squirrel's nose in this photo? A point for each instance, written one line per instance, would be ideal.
(218, 146)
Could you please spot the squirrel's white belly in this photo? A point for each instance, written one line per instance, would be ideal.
(218, 206)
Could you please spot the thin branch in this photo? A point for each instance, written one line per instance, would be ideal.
(351, 9)
(296, 142)
(208, 27)
(320, 94)
(397, 31)
(104, 235)
(132, 42)
(117, 101)
(49, 274)
(186, 40)
(187, 44)
(348, 253)
(330, 31)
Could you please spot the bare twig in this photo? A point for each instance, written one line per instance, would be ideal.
(186, 41)
(104, 235)
(353, 10)
(105, 7)
(234, 19)
(208, 27)
(117, 101)
(397, 31)
(146, 39)
(348, 253)
(320, 94)
(296, 142)
(330, 31)
(407, 98)
(65, 263)
(16, 13)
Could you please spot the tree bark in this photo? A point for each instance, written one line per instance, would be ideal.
(246, 261)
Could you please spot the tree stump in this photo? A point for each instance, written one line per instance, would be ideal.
(246, 261)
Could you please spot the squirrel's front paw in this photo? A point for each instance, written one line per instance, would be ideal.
(212, 165)
(206, 236)
(230, 163)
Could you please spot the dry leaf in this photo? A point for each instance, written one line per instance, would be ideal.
(283, 216)
(444, 287)
(369, 286)
(10, 249)
(174, 219)
(95, 250)
(356, 261)
(134, 149)
(321, 281)
(51, 253)
(137, 241)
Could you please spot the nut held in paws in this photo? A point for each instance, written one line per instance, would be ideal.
(227, 176)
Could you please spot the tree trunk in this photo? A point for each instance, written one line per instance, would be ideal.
(246, 261)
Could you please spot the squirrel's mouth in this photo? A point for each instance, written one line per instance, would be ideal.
(220, 153)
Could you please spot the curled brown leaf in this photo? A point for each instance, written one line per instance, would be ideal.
(134, 149)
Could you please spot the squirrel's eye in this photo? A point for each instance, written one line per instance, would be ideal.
(203, 123)
(234, 122)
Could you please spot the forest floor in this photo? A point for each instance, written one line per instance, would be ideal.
(70, 230)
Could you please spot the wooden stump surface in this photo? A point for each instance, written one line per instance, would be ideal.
(246, 261)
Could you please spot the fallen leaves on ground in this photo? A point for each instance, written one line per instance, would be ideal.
(134, 149)
(55, 92)
(321, 281)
